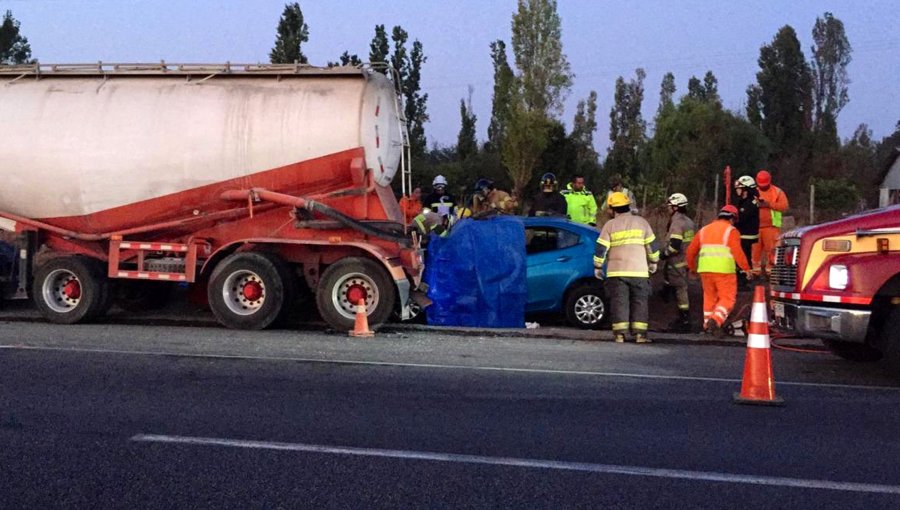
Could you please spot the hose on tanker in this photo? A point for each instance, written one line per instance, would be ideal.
(369, 230)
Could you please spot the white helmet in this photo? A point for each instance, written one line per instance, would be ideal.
(678, 200)
(745, 181)
(440, 180)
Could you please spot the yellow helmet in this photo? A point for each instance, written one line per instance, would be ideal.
(618, 199)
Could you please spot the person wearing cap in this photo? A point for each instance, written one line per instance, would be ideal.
(616, 185)
(713, 254)
(747, 203)
(581, 206)
(773, 202)
(411, 205)
(628, 246)
(549, 202)
(680, 233)
(488, 198)
(439, 201)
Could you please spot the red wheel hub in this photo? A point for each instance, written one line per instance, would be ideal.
(356, 293)
(252, 291)
(72, 289)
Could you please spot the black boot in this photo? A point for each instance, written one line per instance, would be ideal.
(682, 324)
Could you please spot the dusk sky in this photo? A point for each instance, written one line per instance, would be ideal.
(602, 39)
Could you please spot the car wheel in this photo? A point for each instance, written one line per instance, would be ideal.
(585, 307)
(344, 283)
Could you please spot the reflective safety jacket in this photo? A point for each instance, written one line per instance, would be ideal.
(581, 207)
(778, 203)
(748, 216)
(410, 207)
(443, 204)
(716, 248)
(633, 205)
(629, 244)
(681, 233)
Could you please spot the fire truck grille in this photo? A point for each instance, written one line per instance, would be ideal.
(784, 272)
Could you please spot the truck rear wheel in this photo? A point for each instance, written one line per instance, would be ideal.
(890, 340)
(247, 291)
(345, 283)
(68, 290)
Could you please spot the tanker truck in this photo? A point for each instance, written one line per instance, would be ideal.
(259, 182)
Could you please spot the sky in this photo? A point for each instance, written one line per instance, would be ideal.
(601, 39)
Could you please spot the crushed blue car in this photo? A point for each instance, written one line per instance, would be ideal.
(560, 271)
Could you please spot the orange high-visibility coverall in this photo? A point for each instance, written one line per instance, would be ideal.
(713, 254)
(769, 226)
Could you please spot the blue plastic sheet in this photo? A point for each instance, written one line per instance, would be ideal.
(476, 275)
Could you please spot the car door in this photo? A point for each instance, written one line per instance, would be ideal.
(552, 258)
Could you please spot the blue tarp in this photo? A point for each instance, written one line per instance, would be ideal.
(7, 257)
(476, 275)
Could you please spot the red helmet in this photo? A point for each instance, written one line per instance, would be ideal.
(729, 211)
(763, 178)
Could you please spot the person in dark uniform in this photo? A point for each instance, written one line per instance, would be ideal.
(549, 202)
(747, 203)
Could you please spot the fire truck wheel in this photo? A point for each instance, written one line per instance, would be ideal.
(246, 291)
(344, 283)
(68, 290)
(890, 341)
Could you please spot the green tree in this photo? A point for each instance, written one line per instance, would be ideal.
(14, 48)
(292, 33)
(379, 49)
(666, 93)
(346, 59)
(524, 143)
(504, 84)
(706, 90)
(584, 125)
(627, 128)
(399, 58)
(830, 58)
(467, 144)
(537, 45)
(782, 102)
(416, 102)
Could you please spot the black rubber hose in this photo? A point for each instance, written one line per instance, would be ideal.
(356, 224)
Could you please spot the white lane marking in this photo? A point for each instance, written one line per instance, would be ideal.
(548, 371)
(708, 476)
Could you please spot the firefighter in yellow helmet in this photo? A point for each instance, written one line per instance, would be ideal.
(628, 246)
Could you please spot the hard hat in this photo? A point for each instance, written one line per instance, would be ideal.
(729, 211)
(548, 180)
(745, 181)
(440, 180)
(763, 178)
(678, 200)
(483, 184)
(618, 199)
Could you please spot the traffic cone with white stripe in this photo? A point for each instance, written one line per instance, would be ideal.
(361, 327)
(758, 386)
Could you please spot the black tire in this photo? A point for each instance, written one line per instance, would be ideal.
(890, 341)
(852, 351)
(246, 291)
(290, 314)
(353, 277)
(585, 306)
(69, 290)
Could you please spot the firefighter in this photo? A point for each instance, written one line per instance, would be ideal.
(772, 204)
(628, 242)
(616, 185)
(428, 222)
(747, 203)
(581, 206)
(680, 234)
(411, 206)
(713, 254)
(487, 198)
(549, 202)
(439, 200)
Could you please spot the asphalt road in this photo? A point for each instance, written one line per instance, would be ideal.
(125, 416)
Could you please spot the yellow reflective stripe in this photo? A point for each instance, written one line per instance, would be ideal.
(654, 256)
(681, 264)
(634, 233)
(617, 326)
(602, 241)
(640, 326)
(677, 236)
(598, 261)
(750, 237)
(649, 239)
(684, 307)
(635, 274)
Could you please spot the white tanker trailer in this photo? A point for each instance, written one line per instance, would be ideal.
(262, 180)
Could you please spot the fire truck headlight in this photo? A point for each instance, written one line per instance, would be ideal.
(838, 277)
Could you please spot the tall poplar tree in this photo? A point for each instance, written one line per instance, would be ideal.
(627, 128)
(666, 93)
(504, 83)
(14, 47)
(292, 33)
(831, 54)
(466, 143)
(537, 45)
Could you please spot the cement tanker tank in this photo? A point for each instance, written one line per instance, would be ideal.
(81, 140)
(260, 182)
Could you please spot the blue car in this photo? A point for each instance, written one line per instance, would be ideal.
(560, 271)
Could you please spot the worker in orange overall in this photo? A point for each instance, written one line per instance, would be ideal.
(713, 253)
(411, 206)
(772, 203)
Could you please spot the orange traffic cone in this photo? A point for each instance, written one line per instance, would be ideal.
(361, 328)
(758, 386)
